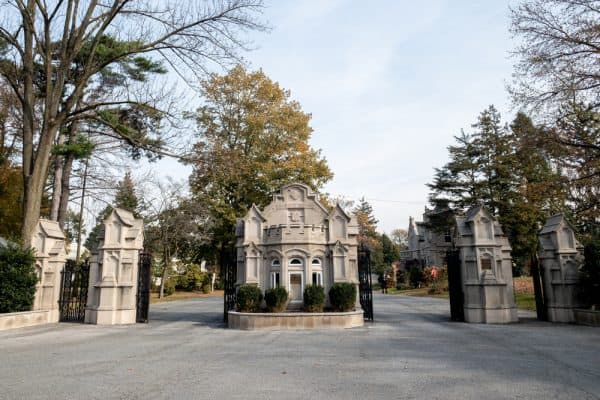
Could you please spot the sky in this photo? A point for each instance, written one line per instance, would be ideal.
(388, 84)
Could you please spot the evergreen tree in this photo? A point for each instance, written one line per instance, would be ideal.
(125, 198)
(367, 234)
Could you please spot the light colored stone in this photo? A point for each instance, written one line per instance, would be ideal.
(23, 319)
(295, 320)
(560, 257)
(296, 237)
(486, 268)
(48, 241)
(113, 271)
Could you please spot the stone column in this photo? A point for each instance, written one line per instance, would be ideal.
(560, 257)
(48, 241)
(486, 268)
(114, 270)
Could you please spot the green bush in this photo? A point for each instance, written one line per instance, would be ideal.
(276, 299)
(206, 288)
(169, 287)
(17, 278)
(193, 278)
(248, 298)
(314, 298)
(342, 296)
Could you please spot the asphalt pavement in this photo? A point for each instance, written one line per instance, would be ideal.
(411, 351)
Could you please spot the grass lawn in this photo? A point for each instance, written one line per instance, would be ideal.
(524, 301)
(182, 295)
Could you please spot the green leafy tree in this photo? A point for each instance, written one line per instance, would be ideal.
(509, 170)
(51, 52)
(368, 235)
(253, 140)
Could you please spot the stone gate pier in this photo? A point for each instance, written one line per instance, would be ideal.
(560, 257)
(486, 268)
(114, 271)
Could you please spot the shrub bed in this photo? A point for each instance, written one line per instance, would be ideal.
(342, 296)
(314, 298)
(248, 298)
(276, 299)
(17, 278)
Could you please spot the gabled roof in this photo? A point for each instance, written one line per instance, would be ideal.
(257, 212)
(125, 216)
(340, 211)
(554, 223)
(51, 229)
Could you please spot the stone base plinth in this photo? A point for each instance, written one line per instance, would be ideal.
(110, 317)
(561, 314)
(295, 320)
(587, 317)
(26, 318)
(491, 315)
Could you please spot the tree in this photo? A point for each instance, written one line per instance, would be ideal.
(400, 237)
(367, 234)
(176, 227)
(51, 51)
(509, 170)
(391, 251)
(125, 198)
(253, 140)
(559, 55)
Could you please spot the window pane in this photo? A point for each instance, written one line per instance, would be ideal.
(486, 263)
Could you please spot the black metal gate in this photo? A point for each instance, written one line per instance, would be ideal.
(538, 289)
(457, 312)
(365, 286)
(143, 287)
(73, 291)
(229, 274)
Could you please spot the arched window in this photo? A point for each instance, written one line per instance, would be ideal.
(296, 261)
(316, 262)
(275, 264)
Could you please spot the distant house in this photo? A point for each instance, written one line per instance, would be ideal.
(427, 244)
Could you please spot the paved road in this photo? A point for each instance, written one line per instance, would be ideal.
(412, 351)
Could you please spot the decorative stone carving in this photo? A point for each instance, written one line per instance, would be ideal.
(486, 268)
(48, 241)
(560, 257)
(296, 241)
(113, 271)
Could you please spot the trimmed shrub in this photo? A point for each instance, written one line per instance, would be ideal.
(416, 277)
(248, 298)
(169, 287)
(17, 278)
(342, 296)
(314, 298)
(193, 278)
(276, 299)
(206, 288)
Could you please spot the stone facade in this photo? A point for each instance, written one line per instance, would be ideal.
(425, 244)
(296, 241)
(114, 270)
(560, 257)
(486, 268)
(50, 252)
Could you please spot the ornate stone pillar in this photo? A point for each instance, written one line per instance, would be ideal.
(560, 257)
(486, 268)
(114, 270)
(48, 241)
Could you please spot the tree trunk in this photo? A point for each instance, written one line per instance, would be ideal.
(57, 184)
(66, 190)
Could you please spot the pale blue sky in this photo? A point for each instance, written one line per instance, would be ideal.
(388, 84)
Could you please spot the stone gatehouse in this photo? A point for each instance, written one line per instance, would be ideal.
(296, 241)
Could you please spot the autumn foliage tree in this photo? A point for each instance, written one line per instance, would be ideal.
(253, 139)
